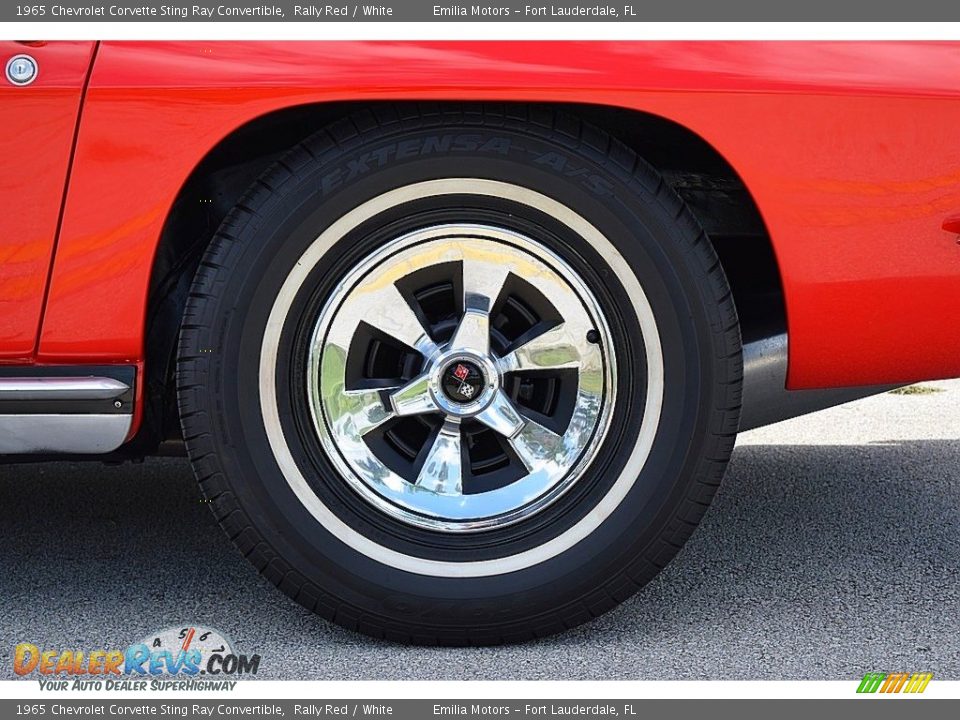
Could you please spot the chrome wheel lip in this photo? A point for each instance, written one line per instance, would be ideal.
(448, 510)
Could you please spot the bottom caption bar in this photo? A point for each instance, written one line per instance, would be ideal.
(428, 710)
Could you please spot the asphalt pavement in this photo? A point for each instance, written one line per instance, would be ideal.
(832, 549)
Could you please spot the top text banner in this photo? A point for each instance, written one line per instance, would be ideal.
(75, 11)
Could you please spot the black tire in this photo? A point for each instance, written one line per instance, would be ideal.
(363, 157)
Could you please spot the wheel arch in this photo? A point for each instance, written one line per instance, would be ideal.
(696, 170)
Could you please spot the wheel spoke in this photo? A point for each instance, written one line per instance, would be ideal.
(500, 415)
(413, 398)
(555, 349)
(537, 446)
(473, 333)
(360, 412)
(389, 311)
(441, 472)
(482, 282)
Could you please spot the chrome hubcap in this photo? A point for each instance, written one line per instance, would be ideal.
(461, 377)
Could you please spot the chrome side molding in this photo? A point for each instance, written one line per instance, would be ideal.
(61, 388)
(85, 410)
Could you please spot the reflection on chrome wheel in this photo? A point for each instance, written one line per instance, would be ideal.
(461, 377)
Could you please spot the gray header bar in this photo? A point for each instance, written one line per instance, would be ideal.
(618, 11)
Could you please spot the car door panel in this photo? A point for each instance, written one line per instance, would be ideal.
(38, 122)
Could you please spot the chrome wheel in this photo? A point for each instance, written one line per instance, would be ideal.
(461, 377)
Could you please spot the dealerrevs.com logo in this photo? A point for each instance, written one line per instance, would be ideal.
(176, 658)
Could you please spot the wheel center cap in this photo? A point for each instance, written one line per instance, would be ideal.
(462, 384)
(462, 381)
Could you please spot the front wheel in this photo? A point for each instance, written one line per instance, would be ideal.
(459, 376)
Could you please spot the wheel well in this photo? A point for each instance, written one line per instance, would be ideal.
(699, 174)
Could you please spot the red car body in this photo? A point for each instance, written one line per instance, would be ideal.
(849, 151)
